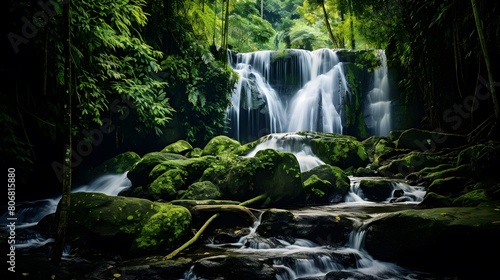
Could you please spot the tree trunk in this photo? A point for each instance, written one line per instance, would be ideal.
(486, 56)
(261, 8)
(327, 22)
(64, 203)
(351, 13)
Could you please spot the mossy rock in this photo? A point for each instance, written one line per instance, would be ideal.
(201, 191)
(424, 238)
(459, 171)
(449, 186)
(270, 172)
(113, 224)
(220, 145)
(180, 147)
(412, 162)
(325, 184)
(139, 175)
(473, 198)
(482, 158)
(196, 152)
(434, 200)
(425, 140)
(164, 229)
(376, 190)
(115, 165)
(193, 166)
(338, 150)
(383, 150)
(167, 185)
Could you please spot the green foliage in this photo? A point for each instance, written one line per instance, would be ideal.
(112, 62)
(248, 32)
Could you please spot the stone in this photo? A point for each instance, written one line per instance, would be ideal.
(325, 184)
(220, 145)
(181, 147)
(139, 175)
(201, 191)
(122, 224)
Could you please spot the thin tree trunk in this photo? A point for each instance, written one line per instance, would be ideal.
(486, 56)
(327, 22)
(261, 8)
(351, 13)
(64, 203)
(204, 227)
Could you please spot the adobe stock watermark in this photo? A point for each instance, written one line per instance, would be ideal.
(455, 116)
(30, 28)
(95, 136)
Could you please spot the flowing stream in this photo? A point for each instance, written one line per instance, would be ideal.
(304, 259)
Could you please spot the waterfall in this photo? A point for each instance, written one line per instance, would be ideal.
(378, 103)
(299, 90)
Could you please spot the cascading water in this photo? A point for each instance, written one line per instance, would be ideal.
(378, 103)
(304, 259)
(300, 90)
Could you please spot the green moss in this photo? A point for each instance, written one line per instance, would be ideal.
(166, 186)
(179, 147)
(220, 145)
(165, 228)
(473, 198)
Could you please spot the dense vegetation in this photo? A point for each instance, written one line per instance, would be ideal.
(146, 70)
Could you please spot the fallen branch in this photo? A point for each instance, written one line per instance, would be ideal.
(204, 227)
(226, 208)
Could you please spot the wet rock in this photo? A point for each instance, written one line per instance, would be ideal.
(448, 241)
(115, 165)
(325, 184)
(201, 191)
(234, 267)
(338, 150)
(334, 275)
(124, 225)
(269, 172)
(220, 145)
(376, 190)
(139, 175)
(450, 186)
(166, 186)
(181, 147)
(424, 140)
(319, 227)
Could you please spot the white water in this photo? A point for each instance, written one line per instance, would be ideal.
(262, 102)
(378, 103)
(304, 258)
(29, 213)
(292, 143)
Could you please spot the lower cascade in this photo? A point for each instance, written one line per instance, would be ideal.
(301, 258)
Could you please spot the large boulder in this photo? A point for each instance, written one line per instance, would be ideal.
(123, 224)
(425, 140)
(234, 267)
(139, 175)
(325, 184)
(376, 190)
(448, 241)
(166, 186)
(320, 227)
(201, 191)
(338, 150)
(181, 147)
(194, 167)
(220, 145)
(269, 172)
